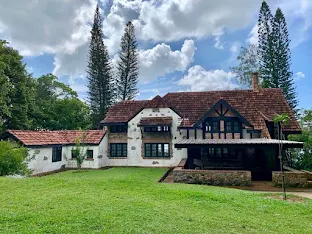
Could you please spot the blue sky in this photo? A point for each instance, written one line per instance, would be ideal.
(183, 45)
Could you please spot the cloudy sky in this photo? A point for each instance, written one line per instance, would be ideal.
(184, 44)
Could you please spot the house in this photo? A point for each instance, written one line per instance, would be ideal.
(52, 150)
(219, 134)
(222, 134)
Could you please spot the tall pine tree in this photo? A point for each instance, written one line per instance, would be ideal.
(282, 75)
(99, 73)
(265, 50)
(128, 65)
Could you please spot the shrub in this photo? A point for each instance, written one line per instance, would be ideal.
(13, 159)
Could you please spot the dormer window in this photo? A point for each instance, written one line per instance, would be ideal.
(232, 126)
(157, 129)
(213, 126)
(118, 128)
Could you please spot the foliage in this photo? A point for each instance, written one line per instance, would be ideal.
(79, 150)
(274, 53)
(17, 90)
(100, 79)
(265, 50)
(13, 159)
(129, 200)
(282, 75)
(54, 97)
(29, 103)
(128, 65)
(282, 118)
(303, 159)
(248, 64)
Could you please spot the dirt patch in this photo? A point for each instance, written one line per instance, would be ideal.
(290, 198)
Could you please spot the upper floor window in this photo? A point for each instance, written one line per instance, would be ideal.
(157, 129)
(232, 126)
(213, 126)
(118, 128)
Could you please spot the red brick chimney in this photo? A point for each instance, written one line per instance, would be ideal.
(255, 82)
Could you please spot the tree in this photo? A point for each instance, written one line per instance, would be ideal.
(100, 82)
(265, 50)
(79, 150)
(17, 87)
(282, 75)
(13, 159)
(248, 63)
(54, 97)
(303, 159)
(279, 120)
(128, 65)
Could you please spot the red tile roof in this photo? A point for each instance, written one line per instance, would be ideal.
(255, 107)
(123, 111)
(155, 121)
(156, 102)
(66, 137)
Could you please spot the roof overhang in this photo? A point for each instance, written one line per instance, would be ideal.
(113, 123)
(155, 121)
(257, 143)
(153, 125)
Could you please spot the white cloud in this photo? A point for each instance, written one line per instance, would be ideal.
(235, 47)
(298, 16)
(161, 60)
(218, 44)
(299, 76)
(171, 20)
(253, 35)
(37, 27)
(199, 79)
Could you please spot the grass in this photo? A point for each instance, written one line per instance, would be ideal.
(130, 200)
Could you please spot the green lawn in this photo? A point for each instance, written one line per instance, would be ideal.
(130, 200)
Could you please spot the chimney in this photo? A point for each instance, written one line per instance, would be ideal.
(255, 82)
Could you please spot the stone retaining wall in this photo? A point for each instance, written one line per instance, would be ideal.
(212, 177)
(292, 179)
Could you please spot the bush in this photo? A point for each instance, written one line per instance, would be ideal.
(13, 159)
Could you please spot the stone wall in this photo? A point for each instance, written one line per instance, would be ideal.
(212, 177)
(292, 179)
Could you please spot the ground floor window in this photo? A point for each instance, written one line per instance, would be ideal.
(89, 154)
(118, 150)
(57, 154)
(156, 150)
(73, 154)
(218, 153)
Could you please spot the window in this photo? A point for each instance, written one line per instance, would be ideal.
(232, 126)
(73, 154)
(236, 127)
(118, 128)
(228, 126)
(157, 129)
(57, 154)
(118, 150)
(215, 126)
(89, 154)
(157, 150)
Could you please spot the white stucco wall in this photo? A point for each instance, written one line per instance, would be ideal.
(135, 157)
(42, 160)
